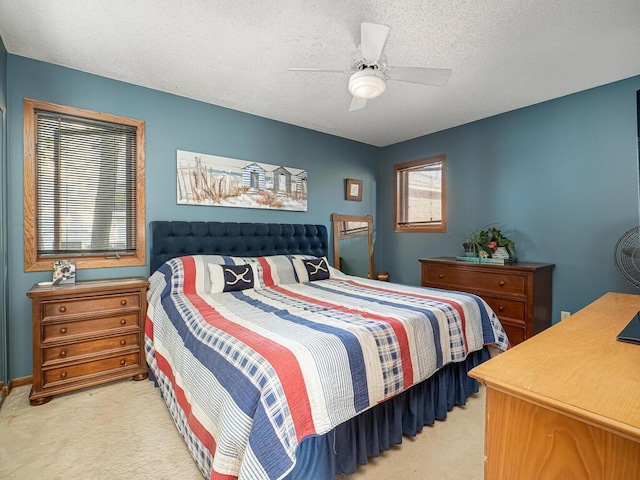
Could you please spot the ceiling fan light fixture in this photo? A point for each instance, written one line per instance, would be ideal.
(367, 84)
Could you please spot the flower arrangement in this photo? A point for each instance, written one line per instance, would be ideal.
(489, 242)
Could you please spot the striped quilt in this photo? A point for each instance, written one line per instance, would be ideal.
(247, 375)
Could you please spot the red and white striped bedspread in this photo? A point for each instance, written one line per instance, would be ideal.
(247, 375)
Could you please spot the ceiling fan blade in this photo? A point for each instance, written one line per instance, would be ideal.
(357, 104)
(316, 70)
(373, 37)
(426, 76)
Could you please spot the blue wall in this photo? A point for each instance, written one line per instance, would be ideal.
(173, 123)
(560, 176)
(4, 372)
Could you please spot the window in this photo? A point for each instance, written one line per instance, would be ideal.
(419, 193)
(83, 187)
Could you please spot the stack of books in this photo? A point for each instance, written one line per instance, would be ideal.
(495, 261)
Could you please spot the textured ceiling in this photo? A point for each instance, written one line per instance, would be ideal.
(505, 54)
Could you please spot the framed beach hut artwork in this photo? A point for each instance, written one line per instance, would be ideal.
(228, 182)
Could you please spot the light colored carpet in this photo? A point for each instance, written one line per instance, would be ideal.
(123, 430)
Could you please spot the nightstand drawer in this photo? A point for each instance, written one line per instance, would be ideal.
(93, 326)
(476, 280)
(511, 309)
(90, 305)
(74, 351)
(75, 372)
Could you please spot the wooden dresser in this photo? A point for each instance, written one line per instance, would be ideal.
(566, 404)
(519, 293)
(87, 333)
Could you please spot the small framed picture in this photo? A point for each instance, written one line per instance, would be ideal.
(354, 190)
(64, 271)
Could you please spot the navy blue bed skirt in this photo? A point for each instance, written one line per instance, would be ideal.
(351, 443)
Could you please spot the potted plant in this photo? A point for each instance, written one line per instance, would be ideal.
(475, 242)
(500, 246)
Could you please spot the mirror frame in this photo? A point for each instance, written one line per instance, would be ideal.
(336, 220)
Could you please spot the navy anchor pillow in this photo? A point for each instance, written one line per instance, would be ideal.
(310, 270)
(230, 278)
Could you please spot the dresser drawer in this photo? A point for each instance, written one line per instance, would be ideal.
(512, 309)
(93, 326)
(476, 280)
(73, 351)
(515, 333)
(76, 372)
(90, 305)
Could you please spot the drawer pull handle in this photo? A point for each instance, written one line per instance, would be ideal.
(62, 309)
(63, 375)
(123, 362)
(63, 330)
(123, 342)
(500, 309)
(63, 353)
(123, 321)
(123, 302)
(441, 275)
(501, 283)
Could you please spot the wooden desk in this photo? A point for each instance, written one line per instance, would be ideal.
(566, 403)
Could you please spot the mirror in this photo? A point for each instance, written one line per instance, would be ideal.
(353, 244)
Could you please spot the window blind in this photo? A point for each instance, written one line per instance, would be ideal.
(86, 186)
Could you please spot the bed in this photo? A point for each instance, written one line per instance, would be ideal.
(275, 365)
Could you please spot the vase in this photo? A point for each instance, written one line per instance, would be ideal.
(469, 250)
(501, 252)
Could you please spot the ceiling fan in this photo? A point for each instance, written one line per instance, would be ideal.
(369, 69)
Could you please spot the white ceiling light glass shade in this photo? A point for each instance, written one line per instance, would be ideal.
(367, 83)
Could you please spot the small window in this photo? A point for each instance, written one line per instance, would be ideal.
(419, 193)
(83, 187)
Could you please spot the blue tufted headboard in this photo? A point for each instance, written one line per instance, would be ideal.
(174, 239)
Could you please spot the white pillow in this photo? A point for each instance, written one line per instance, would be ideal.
(275, 270)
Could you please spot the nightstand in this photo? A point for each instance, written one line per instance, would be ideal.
(87, 333)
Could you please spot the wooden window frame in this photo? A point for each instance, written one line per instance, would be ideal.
(32, 261)
(398, 190)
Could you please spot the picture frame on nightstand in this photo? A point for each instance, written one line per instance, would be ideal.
(64, 271)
